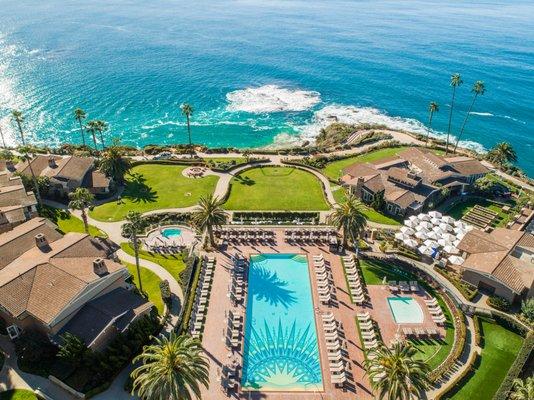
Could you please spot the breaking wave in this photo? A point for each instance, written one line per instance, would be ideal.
(271, 98)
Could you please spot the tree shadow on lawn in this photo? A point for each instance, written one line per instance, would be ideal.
(245, 180)
(138, 191)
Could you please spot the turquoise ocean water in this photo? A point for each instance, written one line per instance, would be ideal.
(264, 72)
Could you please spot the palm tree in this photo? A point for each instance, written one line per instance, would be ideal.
(432, 108)
(395, 374)
(3, 139)
(456, 80)
(523, 389)
(26, 156)
(187, 110)
(80, 115)
(19, 119)
(478, 89)
(92, 128)
(502, 153)
(81, 199)
(172, 368)
(114, 165)
(349, 217)
(102, 126)
(209, 215)
(131, 229)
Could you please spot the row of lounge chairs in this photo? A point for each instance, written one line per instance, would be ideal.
(323, 279)
(353, 279)
(435, 311)
(201, 298)
(229, 379)
(334, 346)
(368, 331)
(309, 236)
(403, 286)
(233, 330)
(236, 290)
(244, 236)
(420, 333)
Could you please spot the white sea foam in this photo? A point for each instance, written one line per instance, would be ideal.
(482, 114)
(271, 98)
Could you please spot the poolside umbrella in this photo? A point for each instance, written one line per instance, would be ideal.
(435, 221)
(433, 235)
(443, 242)
(431, 243)
(426, 224)
(456, 242)
(449, 237)
(456, 260)
(401, 236)
(410, 243)
(460, 236)
(424, 217)
(459, 223)
(419, 228)
(469, 227)
(435, 214)
(407, 231)
(409, 223)
(458, 230)
(445, 227)
(421, 235)
(448, 220)
(438, 231)
(451, 250)
(427, 251)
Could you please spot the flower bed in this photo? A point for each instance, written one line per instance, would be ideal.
(467, 290)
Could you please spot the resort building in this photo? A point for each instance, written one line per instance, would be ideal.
(16, 204)
(55, 284)
(500, 262)
(67, 173)
(413, 180)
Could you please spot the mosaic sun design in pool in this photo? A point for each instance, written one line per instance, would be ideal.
(285, 357)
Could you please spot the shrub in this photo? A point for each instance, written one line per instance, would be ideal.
(467, 290)
(527, 310)
(509, 323)
(498, 303)
(165, 291)
(35, 353)
(192, 283)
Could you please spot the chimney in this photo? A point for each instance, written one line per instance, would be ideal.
(9, 165)
(358, 189)
(99, 266)
(52, 162)
(41, 241)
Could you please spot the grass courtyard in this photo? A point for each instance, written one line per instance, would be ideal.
(18, 394)
(155, 186)
(461, 209)
(67, 222)
(276, 189)
(150, 285)
(499, 349)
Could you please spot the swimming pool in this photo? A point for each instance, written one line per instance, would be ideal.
(406, 310)
(171, 233)
(281, 352)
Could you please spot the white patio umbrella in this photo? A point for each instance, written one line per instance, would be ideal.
(433, 235)
(419, 228)
(426, 224)
(424, 217)
(448, 219)
(409, 223)
(435, 214)
(445, 227)
(458, 230)
(444, 242)
(413, 218)
(435, 221)
(460, 236)
(427, 251)
(401, 236)
(410, 243)
(421, 235)
(407, 231)
(451, 250)
(456, 260)
(431, 243)
(456, 242)
(449, 237)
(458, 223)
(438, 231)
(468, 228)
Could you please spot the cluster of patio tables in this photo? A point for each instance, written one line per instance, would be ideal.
(431, 234)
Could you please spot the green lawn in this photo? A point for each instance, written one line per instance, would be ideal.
(18, 394)
(276, 188)
(173, 264)
(460, 209)
(500, 347)
(334, 169)
(150, 285)
(67, 222)
(155, 186)
(433, 351)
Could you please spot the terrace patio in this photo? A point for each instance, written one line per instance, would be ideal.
(219, 305)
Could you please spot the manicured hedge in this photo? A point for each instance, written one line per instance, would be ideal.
(520, 361)
(509, 323)
(457, 382)
(467, 290)
(191, 276)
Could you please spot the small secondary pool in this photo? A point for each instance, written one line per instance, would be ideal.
(281, 351)
(406, 310)
(171, 233)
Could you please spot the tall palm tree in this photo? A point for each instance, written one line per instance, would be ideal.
(523, 389)
(114, 165)
(456, 80)
(92, 127)
(81, 199)
(172, 368)
(102, 126)
(132, 229)
(19, 119)
(395, 374)
(187, 110)
(432, 108)
(502, 153)
(3, 139)
(478, 89)
(208, 215)
(80, 115)
(349, 217)
(26, 156)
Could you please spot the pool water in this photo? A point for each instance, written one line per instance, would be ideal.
(171, 233)
(406, 310)
(281, 352)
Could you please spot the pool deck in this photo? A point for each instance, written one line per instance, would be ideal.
(358, 384)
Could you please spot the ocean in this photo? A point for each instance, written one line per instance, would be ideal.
(264, 73)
